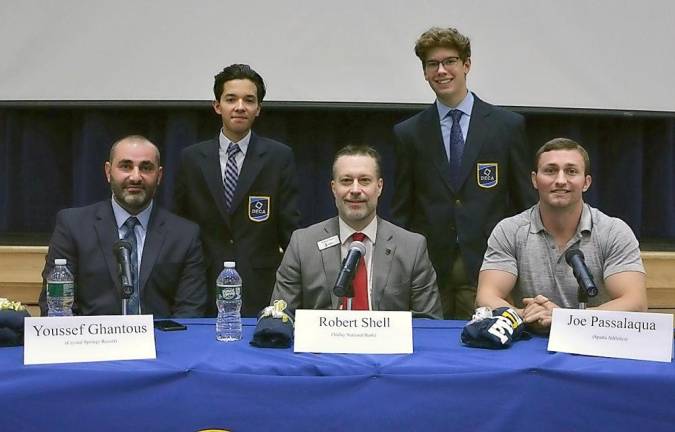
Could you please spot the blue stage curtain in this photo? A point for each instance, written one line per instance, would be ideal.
(52, 158)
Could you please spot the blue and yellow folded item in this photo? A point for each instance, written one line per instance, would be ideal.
(275, 327)
(11, 323)
(494, 329)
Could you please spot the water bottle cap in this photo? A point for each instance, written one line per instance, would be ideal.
(60, 261)
(229, 264)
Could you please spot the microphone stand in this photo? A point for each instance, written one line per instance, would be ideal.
(349, 297)
(126, 295)
(127, 291)
(582, 296)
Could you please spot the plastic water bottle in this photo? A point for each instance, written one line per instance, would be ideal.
(228, 300)
(60, 290)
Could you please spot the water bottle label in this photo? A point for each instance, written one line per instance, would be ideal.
(60, 289)
(230, 292)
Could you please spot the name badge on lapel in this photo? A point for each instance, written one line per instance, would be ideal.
(258, 208)
(487, 174)
(326, 243)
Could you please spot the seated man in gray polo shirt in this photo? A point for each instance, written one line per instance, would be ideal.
(524, 265)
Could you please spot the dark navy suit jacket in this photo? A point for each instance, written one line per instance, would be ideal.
(171, 281)
(425, 202)
(252, 240)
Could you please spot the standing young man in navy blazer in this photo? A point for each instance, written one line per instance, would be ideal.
(241, 189)
(461, 166)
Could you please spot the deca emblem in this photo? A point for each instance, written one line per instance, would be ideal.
(258, 208)
(487, 174)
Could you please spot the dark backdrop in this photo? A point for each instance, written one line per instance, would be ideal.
(52, 155)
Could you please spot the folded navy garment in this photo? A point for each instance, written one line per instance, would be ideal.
(11, 327)
(275, 327)
(496, 331)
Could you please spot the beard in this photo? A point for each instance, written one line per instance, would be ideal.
(132, 202)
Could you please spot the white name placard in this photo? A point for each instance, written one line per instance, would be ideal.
(353, 332)
(88, 339)
(630, 335)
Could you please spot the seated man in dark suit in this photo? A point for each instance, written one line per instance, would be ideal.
(396, 273)
(170, 279)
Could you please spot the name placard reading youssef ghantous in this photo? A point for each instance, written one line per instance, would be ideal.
(353, 332)
(630, 335)
(88, 338)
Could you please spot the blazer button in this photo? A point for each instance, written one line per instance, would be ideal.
(458, 203)
(231, 241)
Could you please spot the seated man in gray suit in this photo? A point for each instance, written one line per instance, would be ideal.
(395, 273)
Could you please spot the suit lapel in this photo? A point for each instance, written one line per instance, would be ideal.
(383, 253)
(107, 233)
(331, 258)
(475, 138)
(253, 163)
(154, 238)
(432, 141)
(214, 177)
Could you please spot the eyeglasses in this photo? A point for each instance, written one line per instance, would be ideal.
(448, 62)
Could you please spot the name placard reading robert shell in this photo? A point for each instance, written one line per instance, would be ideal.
(353, 332)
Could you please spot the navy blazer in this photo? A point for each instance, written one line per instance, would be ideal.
(425, 202)
(253, 240)
(171, 280)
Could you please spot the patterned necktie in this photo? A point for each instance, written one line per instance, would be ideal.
(456, 148)
(360, 282)
(133, 304)
(231, 173)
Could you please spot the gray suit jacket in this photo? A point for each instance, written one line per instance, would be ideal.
(404, 278)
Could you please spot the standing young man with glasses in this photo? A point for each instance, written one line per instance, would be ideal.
(461, 166)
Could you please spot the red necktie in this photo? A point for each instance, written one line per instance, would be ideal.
(360, 282)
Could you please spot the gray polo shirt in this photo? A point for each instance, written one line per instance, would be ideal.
(521, 246)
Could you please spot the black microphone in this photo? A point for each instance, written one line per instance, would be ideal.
(575, 259)
(122, 252)
(343, 284)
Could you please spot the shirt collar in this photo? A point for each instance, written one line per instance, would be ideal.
(243, 143)
(465, 106)
(346, 231)
(585, 222)
(122, 215)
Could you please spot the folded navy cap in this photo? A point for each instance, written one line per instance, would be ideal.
(11, 327)
(275, 327)
(497, 331)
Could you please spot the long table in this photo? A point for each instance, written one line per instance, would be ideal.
(197, 382)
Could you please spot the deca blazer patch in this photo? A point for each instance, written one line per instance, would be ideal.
(258, 208)
(487, 174)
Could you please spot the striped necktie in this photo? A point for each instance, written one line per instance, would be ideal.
(231, 173)
(133, 304)
(456, 148)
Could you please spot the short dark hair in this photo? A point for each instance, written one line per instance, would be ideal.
(437, 37)
(137, 138)
(238, 71)
(563, 144)
(359, 150)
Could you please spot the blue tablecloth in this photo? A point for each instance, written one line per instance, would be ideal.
(197, 382)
